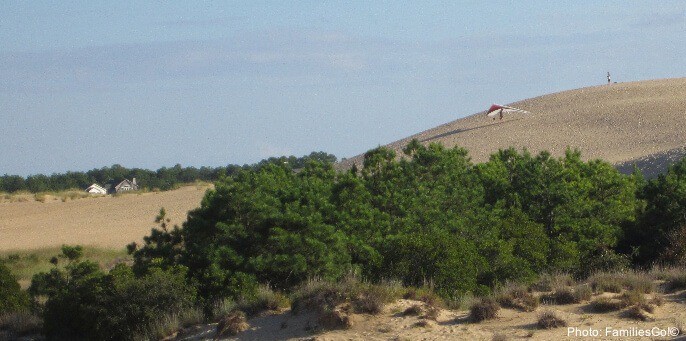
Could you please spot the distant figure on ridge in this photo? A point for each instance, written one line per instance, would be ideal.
(609, 80)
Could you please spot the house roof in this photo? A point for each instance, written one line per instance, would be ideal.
(124, 183)
(96, 186)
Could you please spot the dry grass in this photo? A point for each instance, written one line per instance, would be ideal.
(102, 221)
(568, 295)
(583, 293)
(264, 300)
(606, 304)
(618, 281)
(413, 310)
(232, 324)
(550, 282)
(485, 309)
(615, 123)
(499, 337)
(20, 196)
(632, 297)
(424, 294)
(657, 300)
(432, 313)
(170, 324)
(676, 282)
(44, 197)
(339, 317)
(422, 324)
(462, 302)
(548, 319)
(24, 264)
(516, 296)
(323, 296)
(626, 299)
(223, 307)
(641, 312)
(20, 323)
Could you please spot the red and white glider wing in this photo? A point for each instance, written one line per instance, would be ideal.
(494, 110)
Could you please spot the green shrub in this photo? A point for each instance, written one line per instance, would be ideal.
(263, 300)
(12, 298)
(83, 302)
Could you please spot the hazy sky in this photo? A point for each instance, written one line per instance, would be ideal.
(85, 84)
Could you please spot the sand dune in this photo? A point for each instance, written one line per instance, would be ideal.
(510, 324)
(102, 221)
(617, 123)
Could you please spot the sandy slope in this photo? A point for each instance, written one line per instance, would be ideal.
(102, 221)
(617, 123)
(455, 325)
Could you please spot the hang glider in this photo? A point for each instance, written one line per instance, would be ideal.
(498, 110)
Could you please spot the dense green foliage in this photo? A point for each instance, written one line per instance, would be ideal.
(428, 219)
(85, 303)
(660, 234)
(12, 298)
(431, 217)
(164, 178)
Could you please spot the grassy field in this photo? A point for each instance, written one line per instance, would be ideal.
(25, 263)
(616, 123)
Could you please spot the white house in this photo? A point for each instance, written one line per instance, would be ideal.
(96, 189)
(111, 188)
(126, 185)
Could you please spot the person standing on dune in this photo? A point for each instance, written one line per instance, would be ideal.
(608, 78)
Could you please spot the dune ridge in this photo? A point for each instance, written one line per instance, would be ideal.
(621, 123)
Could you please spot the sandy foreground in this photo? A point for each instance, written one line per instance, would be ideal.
(391, 324)
(106, 221)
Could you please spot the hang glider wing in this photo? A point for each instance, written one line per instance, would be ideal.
(498, 110)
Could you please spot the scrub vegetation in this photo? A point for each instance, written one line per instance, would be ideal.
(430, 225)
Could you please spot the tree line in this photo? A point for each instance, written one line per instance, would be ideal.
(431, 217)
(164, 178)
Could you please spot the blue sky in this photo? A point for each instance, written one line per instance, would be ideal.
(85, 85)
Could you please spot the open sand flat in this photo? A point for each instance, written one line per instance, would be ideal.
(392, 324)
(616, 123)
(105, 221)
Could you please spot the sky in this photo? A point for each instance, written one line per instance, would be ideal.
(88, 84)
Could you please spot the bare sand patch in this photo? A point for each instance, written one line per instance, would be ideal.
(108, 221)
(510, 324)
